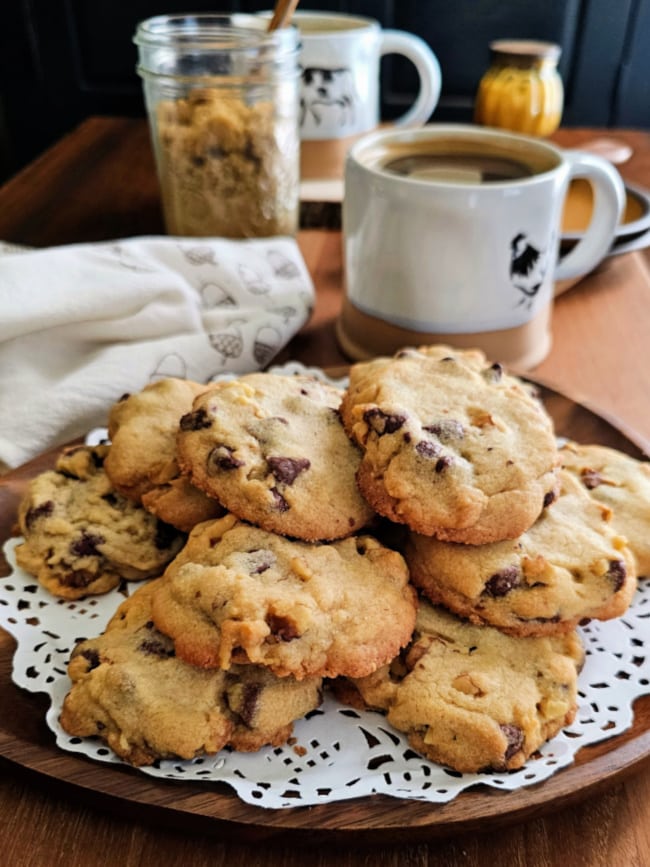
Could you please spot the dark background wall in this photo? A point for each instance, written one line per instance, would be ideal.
(63, 60)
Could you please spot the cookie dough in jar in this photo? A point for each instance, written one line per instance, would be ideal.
(222, 99)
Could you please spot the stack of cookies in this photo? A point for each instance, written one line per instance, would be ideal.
(506, 543)
(418, 541)
(274, 588)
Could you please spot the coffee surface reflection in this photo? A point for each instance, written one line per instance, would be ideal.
(458, 168)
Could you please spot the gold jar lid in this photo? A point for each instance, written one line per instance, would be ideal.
(524, 50)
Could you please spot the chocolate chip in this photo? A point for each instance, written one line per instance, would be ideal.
(383, 422)
(92, 658)
(221, 458)
(252, 156)
(279, 502)
(86, 545)
(165, 536)
(446, 429)
(156, 647)
(591, 479)
(77, 578)
(515, 737)
(260, 560)
(249, 703)
(444, 462)
(617, 574)
(40, 511)
(549, 498)
(427, 449)
(493, 373)
(533, 391)
(286, 470)
(97, 459)
(282, 627)
(196, 420)
(503, 582)
(125, 396)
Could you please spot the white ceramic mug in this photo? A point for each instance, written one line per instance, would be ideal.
(340, 91)
(451, 234)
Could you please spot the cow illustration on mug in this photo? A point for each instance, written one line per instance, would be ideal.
(327, 96)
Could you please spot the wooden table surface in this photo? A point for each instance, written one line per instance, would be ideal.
(99, 183)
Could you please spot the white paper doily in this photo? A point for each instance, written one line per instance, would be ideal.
(338, 753)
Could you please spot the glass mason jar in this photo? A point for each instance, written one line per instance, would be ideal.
(222, 97)
(522, 89)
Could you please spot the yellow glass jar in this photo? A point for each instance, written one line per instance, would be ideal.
(522, 89)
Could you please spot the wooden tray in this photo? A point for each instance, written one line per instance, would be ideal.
(27, 743)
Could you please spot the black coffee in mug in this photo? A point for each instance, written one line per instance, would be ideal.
(452, 159)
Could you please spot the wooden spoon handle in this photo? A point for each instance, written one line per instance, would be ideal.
(282, 14)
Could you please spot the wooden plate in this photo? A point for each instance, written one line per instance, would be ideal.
(27, 743)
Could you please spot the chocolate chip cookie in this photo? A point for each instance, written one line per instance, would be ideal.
(142, 462)
(273, 450)
(571, 565)
(132, 691)
(81, 536)
(239, 594)
(471, 697)
(623, 484)
(452, 445)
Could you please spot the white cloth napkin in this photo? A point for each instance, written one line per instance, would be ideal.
(82, 324)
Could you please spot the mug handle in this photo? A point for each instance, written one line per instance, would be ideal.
(425, 61)
(609, 201)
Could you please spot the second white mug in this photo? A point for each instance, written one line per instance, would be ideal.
(340, 56)
(341, 86)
